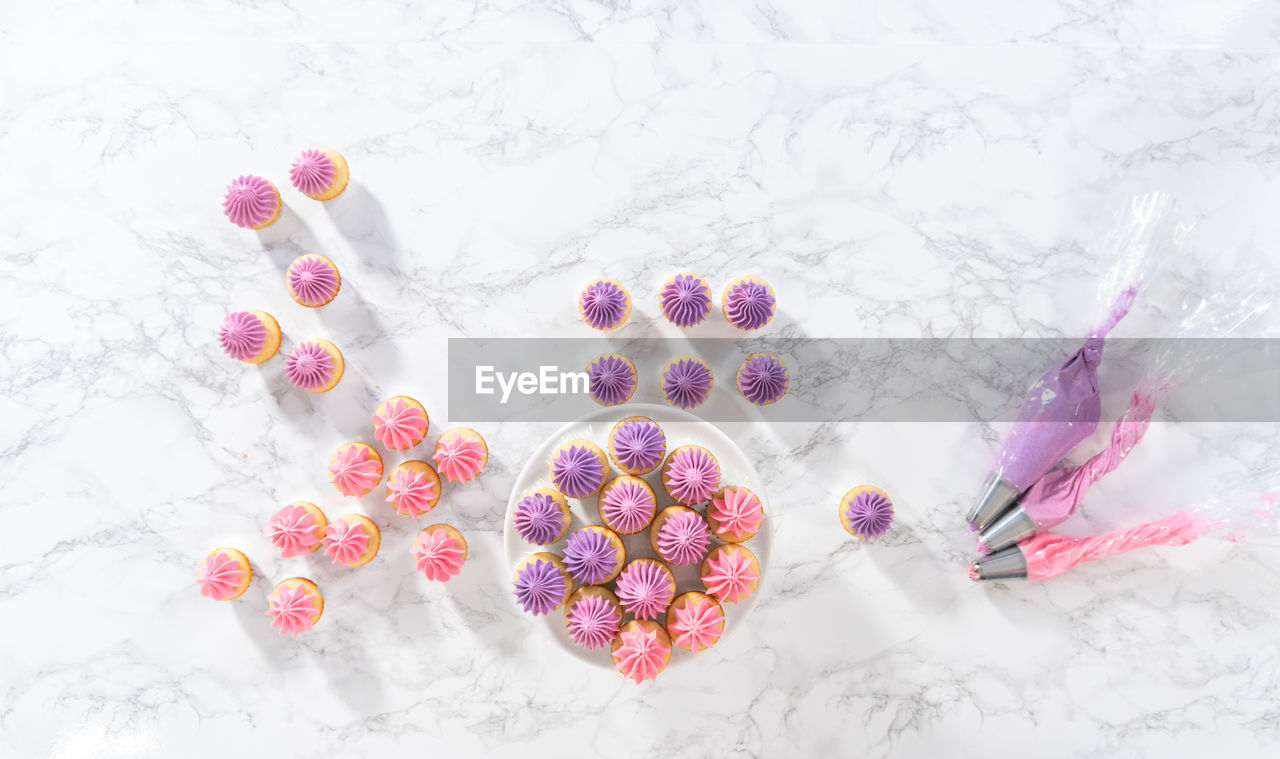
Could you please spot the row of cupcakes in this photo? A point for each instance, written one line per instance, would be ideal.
(747, 303)
(686, 380)
(254, 202)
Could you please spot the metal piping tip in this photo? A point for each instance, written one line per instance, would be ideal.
(1014, 527)
(1008, 564)
(997, 496)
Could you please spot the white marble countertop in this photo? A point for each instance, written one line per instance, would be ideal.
(894, 168)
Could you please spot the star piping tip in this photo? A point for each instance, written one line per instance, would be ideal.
(982, 547)
(973, 571)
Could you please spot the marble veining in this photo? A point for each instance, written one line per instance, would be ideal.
(892, 168)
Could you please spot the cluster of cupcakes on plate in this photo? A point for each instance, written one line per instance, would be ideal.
(413, 488)
(684, 300)
(630, 604)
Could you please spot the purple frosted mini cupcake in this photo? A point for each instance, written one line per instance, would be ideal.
(594, 555)
(592, 616)
(637, 445)
(541, 516)
(685, 299)
(748, 303)
(613, 379)
(604, 304)
(314, 366)
(691, 474)
(541, 583)
(679, 535)
(762, 379)
(578, 468)
(686, 381)
(627, 504)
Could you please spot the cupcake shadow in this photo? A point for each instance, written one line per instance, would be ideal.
(252, 615)
(354, 315)
(359, 216)
(286, 225)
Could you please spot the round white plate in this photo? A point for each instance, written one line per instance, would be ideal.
(681, 428)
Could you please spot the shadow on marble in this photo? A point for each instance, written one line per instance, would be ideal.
(283, 229)
(351, 313)
(359, 216)
(251, 612)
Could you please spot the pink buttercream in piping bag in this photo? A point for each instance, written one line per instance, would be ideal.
(399, 426)
(411, 493)
(219, 576)
(292, 529)
(1063, 406)
(291, 609)
(354, 471)
(640, 657)
(1050, 555)
(437, 555)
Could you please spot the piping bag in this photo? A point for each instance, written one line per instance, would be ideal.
(1048, 555)
(1063, 406)
(1056, 496)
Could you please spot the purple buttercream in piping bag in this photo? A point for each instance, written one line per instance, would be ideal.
(1063, 406)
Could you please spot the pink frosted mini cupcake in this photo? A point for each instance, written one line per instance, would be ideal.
(295, 605)
(461, 454)
(679, 536)
(251, 202)
(355, 469)
(312, 280)
(730, 572)
(642, 650)
(400, 423)
(224, 574)
(250, 336)
(320, 174)
(612, 379)
(439, 552)
(645, 588)
(352, 539)
(413, 488)
(735, 514)
(296, 529)
(604, 304)
(627, 504)
(315, 366)
(686, 381)
(748, 303)
(685, 299)
(695, 621)
(578, 468)
(542, 516)
(592, 616)
(691, 474)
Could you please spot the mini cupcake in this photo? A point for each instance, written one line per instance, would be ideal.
(695, 621)
(251, 202)
(578, 468)
(250, 336)
(352, 539)
(320, 174)
(686, 381)
(691, 474)
(355, 469)
(400, 423)
(866, 512)
(641, 651)
(645, 588)
(313, 280)
(461, 454)
(296, 529)
(735, 514)
(762, 379)
(413, 488)
(594, 555)
(439, 552)
(679, 536)
(612, 379)
(315, 366)
(685, 299)
(224, 574)
(627, 504)
(592, 616)
(541, 583)
(541, 516)
(604, 304)
(730, 573)
(637, 445)
(295, 605)
(748, 303)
